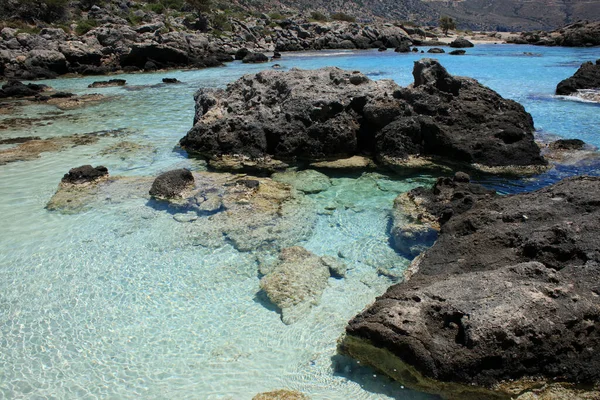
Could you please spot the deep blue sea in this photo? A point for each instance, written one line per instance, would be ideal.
(121, 302)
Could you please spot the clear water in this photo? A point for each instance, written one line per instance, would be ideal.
(120, 302)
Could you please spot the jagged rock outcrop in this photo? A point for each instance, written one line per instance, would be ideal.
(329, 114)
(506, 301)
(586, 77)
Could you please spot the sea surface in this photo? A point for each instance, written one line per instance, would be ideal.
(120, 302)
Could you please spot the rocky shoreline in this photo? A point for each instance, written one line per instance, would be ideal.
(579, 34)
(504, 303)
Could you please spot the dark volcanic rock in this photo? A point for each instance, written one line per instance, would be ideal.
(436, 50)
(509, 291)
(461, 43)
(170, 80)
(109, 83)
(586, 77)
(84, 174)
(419, 214)
(241, 53)
(172, 184)
(255, 58)
(457, 52)
(403, 48)
(331, 113)
(161, 55)
(18, 89)
(567, 144)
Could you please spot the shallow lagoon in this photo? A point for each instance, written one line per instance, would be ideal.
(122, 302)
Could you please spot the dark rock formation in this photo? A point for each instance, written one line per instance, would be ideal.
(18, 89)
(172, 184)
(567, 144)
(461, 43)
(586, 77)
(505, 301)
(85, 174)
(331, 114)
(109, 83)
(161, 55)
(252, 58)
(170, 80)
(403, 48)
(436, 50)
(457, 52)
(241, 53)
(419, 214)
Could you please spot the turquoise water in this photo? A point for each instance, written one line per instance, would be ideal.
(121, 302)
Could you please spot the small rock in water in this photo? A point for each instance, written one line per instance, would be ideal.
(109, 83)
(170, 80)
(85, 173)
(172, 184)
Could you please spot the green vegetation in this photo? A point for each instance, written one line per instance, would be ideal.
(446, 23)
(221, 23)
(85, 25)
(201, 7)
(318, 16)
(340, 16)
(276, 16)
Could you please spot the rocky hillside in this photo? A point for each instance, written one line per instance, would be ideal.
(503, 15)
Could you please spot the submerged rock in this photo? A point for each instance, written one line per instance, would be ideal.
(506, 301)
(297, 282)
(457, 52)
(330, 114)
(31, 149)
(307, 181)
(282, 394)
(586, 77)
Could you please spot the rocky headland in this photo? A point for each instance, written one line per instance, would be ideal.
(579, 34)
(505, 304)
(274, 119)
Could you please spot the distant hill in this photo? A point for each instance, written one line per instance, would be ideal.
(502, 15)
